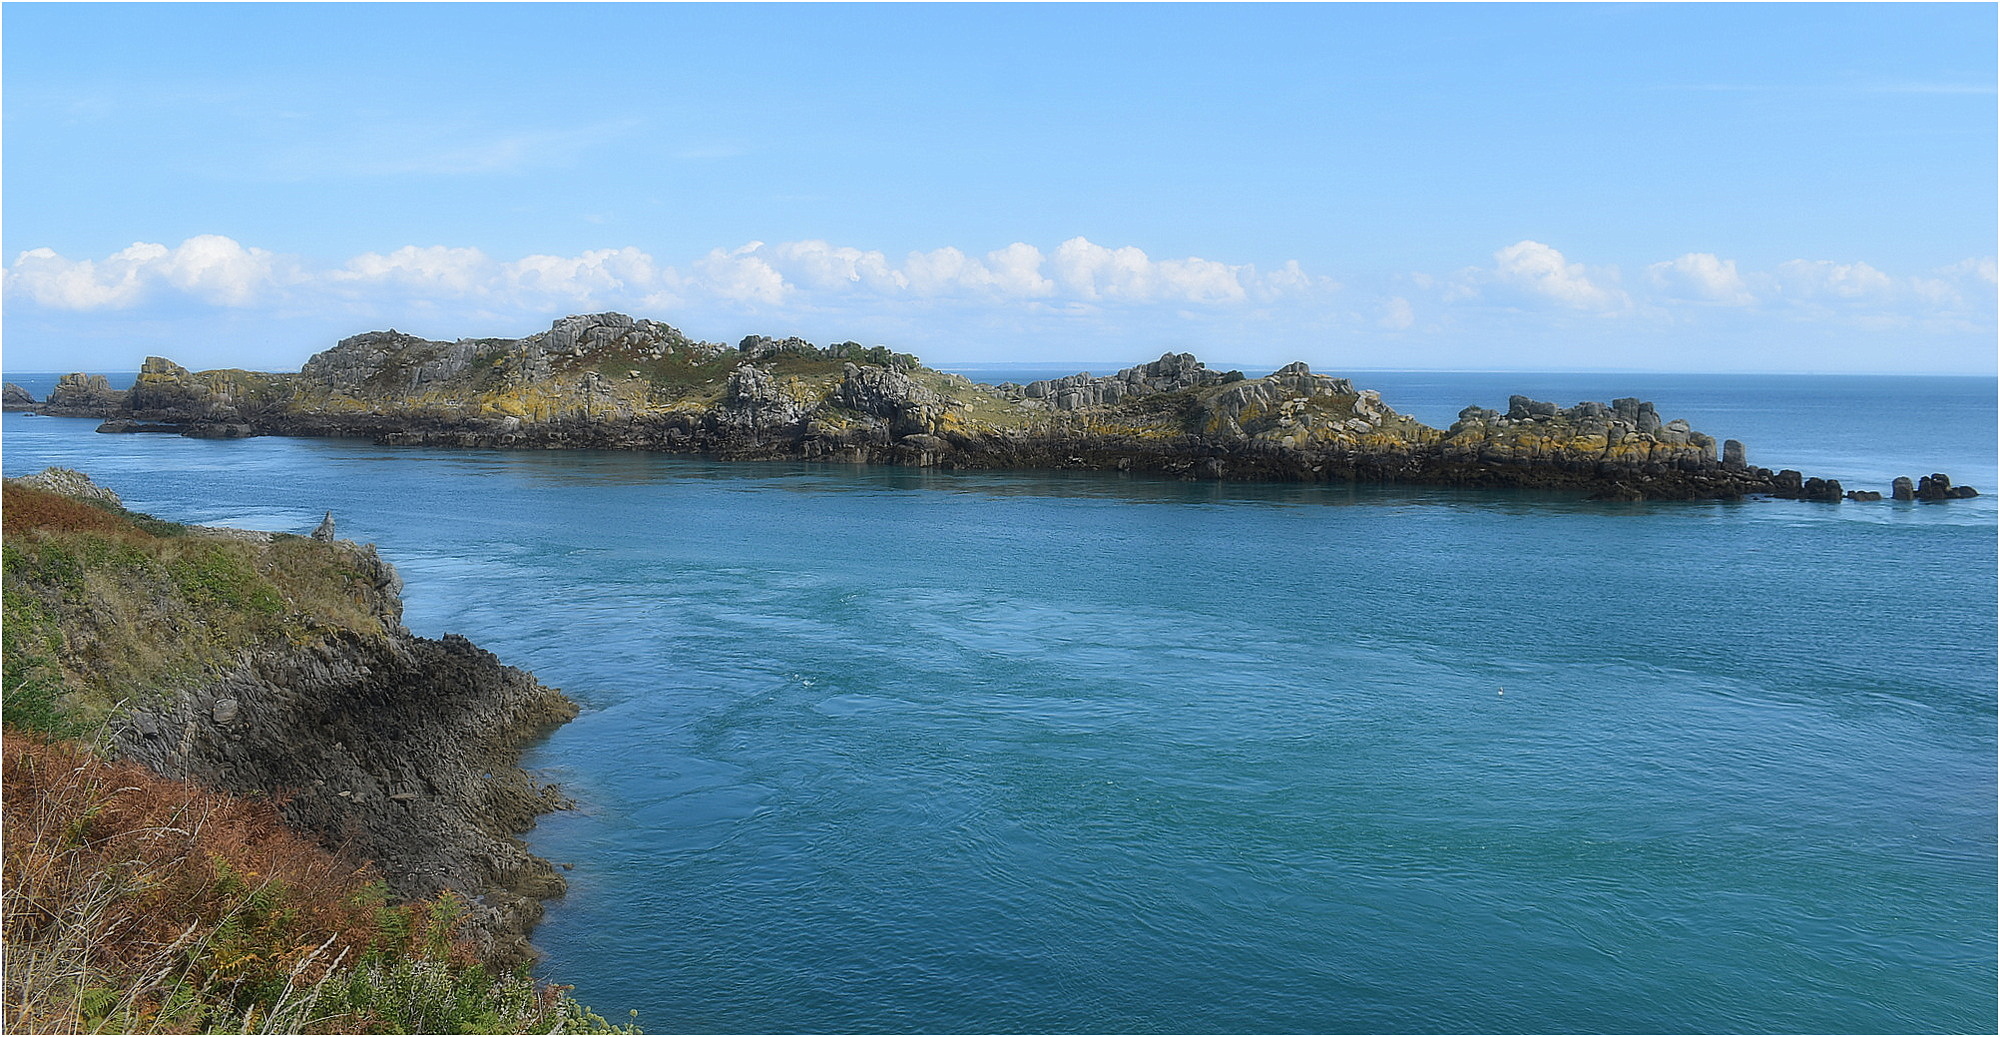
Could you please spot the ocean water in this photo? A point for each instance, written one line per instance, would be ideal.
(883, 750)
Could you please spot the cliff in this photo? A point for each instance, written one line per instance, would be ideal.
(277, 667)
(608, 381)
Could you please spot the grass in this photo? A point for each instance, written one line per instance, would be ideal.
(103, 606)
(134, 903)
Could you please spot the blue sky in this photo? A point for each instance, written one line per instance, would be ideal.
(1788, 187)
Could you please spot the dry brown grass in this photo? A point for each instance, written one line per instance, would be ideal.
(135, 903)
(24, 508)
(113, 871)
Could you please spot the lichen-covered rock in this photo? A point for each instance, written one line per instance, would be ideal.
(1172, 372)
(84, 396)
(70, 483)
(756, 400)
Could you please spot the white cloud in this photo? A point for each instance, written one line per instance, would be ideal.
(208, 268)
(740, 275)
(1017, 271)
(1092, 272)
(1539, 271)
(1822, 279)
(598, 274)
(1397, 314)
(1529, 287)
(434, 269)
(1701, 277)
(817, 264)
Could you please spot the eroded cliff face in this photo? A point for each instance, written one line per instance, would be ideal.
(400, 750)
(608, 381)
(278, 666)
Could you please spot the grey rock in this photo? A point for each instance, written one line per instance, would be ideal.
(127, 425)
(13, 397)
(70, 483)
(1521, 408)
(909, 407)
(1903, 488)
(324, 531)
(754, 399)
(225, 710)
(1733, 455)
(83, 395)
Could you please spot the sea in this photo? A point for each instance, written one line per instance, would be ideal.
(876, 749)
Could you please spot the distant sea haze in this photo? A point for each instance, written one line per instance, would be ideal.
(882, 749)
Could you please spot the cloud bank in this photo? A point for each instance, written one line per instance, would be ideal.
(1079, 285)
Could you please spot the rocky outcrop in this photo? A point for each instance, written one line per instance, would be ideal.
(607, 381)
(1938, 487)
(304, 688)
(83, 396)
(400, 750)
(15, 398)
(1172, 372)
(71, 483)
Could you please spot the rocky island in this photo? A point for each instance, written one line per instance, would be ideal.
(608, 381)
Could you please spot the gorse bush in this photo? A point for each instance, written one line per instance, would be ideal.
(138, 903)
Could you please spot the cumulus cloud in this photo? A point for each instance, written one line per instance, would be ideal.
(740, 275)
(1822, 279)
(208, 268)
(601, 273)
(1537, 270)
(436, 269)
(1701, 277)
(818, 264)
(1016, 285)
(220, 272)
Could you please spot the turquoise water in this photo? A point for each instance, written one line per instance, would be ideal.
(875, 749)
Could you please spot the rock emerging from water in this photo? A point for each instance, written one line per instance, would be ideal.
(1937, 487)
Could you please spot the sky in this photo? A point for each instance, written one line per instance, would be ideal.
(1678, 187)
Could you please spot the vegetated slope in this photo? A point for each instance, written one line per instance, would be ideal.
(258, 690)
